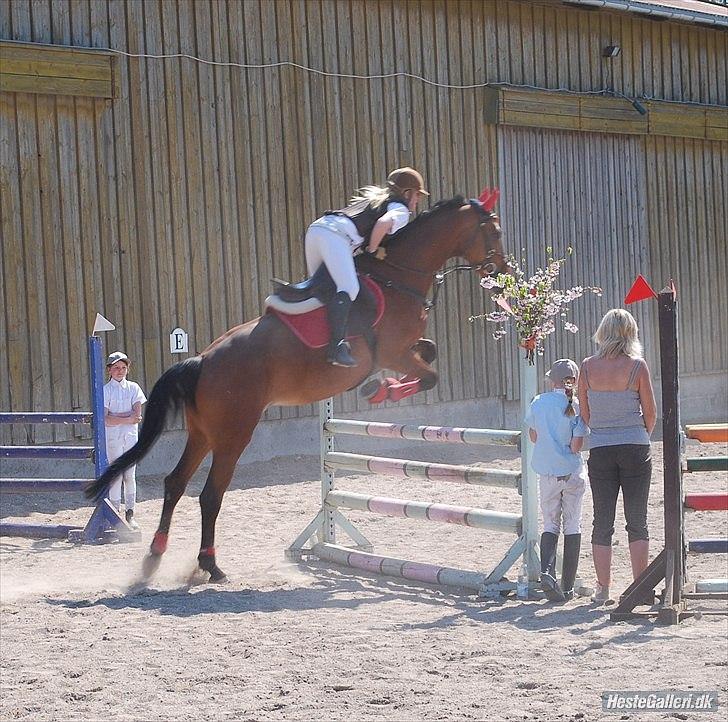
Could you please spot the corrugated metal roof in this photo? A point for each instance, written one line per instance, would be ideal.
(703, 12)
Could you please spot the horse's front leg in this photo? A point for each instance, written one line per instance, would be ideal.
(218, 480)
(418, 375)
(232, 437)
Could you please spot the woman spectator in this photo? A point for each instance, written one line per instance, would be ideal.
(618, 403)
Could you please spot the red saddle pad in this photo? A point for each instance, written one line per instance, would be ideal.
(312, 328)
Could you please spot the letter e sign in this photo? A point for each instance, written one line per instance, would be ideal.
(178, 341)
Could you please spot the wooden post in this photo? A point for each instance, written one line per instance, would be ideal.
(669, 564)
(674, 531)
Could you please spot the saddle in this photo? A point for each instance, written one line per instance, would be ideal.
(302, 307)
(320, 286)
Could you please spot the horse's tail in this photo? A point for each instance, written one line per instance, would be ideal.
(175, 388)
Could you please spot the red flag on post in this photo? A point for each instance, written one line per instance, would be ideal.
(640, 291)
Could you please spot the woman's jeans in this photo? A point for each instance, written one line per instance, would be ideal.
(625, 466)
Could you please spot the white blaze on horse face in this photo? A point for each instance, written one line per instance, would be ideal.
(497, 250)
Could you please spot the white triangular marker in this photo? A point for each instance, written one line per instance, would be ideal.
(102, 324)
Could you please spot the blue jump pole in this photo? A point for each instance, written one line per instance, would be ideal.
(41, 486)
(708, 546)
(46, 452)
(96, 371)
(37, 531)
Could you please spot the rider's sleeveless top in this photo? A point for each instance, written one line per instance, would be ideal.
(363, 216)
(615, 416)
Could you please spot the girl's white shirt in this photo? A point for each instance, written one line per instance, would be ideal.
(119, 398)
(396, 212)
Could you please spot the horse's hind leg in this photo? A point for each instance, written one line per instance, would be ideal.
(174, 486)
(218, 480)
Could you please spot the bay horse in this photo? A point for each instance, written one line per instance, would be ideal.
(261, 363)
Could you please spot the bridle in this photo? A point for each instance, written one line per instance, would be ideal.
(438, 278)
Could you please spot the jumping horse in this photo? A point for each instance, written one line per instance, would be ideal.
(226, 389)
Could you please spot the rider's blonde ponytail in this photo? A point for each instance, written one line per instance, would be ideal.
(376, 195)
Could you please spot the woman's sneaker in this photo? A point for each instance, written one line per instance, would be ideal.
(601, 595)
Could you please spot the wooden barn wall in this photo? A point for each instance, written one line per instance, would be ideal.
(174, 203)
(584, 192)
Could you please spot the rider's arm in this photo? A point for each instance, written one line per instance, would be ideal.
(396, 217)
(381, 228)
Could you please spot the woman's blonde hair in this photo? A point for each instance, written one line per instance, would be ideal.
(376, 195)
(618, 334)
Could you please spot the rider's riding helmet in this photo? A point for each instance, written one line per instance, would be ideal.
(406, 179)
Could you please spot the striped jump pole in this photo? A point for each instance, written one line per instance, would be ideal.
(713, 589)
(706, 502)
(401, 568)
(318, 539)
(709, 589)
(717, 545)
(706, 463)
(105, 523)
(708, 432)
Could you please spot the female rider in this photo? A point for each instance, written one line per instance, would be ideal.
(332, 240)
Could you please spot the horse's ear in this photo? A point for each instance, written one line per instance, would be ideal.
(489, 197)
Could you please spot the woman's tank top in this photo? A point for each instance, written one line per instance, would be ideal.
(615, 417)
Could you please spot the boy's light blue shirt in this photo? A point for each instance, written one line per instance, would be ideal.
(551, 452)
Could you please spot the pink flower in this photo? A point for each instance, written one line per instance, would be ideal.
(532, 303)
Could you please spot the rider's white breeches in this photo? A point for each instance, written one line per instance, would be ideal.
(326, 246)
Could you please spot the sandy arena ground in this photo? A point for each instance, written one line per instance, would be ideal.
(78, 641)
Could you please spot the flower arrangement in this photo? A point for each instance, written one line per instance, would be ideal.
(533, 304)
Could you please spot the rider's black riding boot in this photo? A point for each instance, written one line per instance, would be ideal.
(339, 353)
(572, 546)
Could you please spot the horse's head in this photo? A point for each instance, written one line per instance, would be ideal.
(481, 238)
(453, 228)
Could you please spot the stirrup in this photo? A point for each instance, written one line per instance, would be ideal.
(340, 355)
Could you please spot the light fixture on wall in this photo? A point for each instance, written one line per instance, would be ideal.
(611, 51)
(639, 107)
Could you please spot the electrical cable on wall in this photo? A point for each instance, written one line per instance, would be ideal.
(400, 74)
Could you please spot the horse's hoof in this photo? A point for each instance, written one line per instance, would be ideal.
(218, 576)
(159, 543)
(426, 350)
(150, 564)
(374, 391)
(369, 388)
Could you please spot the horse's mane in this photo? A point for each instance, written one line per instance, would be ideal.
(415, 225)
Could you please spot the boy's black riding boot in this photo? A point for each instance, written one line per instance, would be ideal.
(572, 547)
(339, 353)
